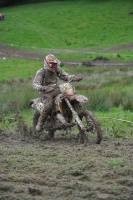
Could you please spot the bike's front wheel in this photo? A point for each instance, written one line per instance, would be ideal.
(93, 131)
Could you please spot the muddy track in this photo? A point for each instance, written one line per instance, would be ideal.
(63, 169)
(8, 51)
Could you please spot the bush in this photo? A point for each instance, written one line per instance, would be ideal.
(99, 101)
(15, 98)
(127, 102)
(116, 97)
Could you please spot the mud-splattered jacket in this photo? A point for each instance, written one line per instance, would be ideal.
(45, 77)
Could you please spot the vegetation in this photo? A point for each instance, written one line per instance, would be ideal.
(5, 3)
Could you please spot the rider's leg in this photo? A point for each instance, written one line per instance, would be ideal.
(46, 111)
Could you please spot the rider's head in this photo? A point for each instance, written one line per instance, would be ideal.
(51, 62)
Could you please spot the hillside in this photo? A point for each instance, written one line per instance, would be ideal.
(68, 24)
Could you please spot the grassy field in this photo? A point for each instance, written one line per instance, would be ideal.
(18, 68)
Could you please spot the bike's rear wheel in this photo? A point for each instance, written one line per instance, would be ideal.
(93, 132)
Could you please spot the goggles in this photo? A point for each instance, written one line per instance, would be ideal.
(52, 65)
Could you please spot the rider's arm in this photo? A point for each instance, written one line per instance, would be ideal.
(37, 82)
(65, 76)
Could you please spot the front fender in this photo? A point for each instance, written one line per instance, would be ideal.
(81, 98)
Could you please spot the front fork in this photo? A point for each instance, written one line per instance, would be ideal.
(81, 125)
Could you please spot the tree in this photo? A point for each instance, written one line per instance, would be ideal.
(4, 3)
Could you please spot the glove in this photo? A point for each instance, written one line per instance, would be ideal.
(48, 89)
(75, 78)
(79, 77)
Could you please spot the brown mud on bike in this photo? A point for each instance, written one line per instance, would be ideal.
(67, 112)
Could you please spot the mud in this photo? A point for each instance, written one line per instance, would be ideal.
(36, 54)
(64, 169)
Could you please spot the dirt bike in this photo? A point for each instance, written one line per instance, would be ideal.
(68, 112)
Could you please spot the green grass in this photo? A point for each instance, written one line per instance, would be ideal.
(18, 68)
(120, 55)
(115, 163)
(68, 24)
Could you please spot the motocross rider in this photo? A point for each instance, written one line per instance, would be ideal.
(45, 83)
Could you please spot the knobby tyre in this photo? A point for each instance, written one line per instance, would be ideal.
(93, 129)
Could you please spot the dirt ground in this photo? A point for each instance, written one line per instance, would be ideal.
(8, 51)
(63, 169)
